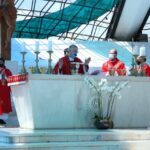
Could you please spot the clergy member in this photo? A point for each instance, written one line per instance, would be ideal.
(5, 100)
(71, 64)
(143, 68)
(66, 51)
(114, 66)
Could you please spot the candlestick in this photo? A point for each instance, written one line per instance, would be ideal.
(49, 70)
(37, 70)
(135, 53)
(23, 69)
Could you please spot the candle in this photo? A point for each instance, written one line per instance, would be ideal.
(49, 45)
(135, 50)
(37, 46)
(23, 47)
(142, 51)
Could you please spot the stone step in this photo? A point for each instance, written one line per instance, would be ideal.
(101, 145)
(16, 135)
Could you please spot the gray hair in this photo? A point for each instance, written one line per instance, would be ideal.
(72, 46)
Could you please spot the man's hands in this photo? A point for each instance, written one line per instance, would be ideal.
(60, 63)
(87, 61)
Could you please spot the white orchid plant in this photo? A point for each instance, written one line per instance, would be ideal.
(104, 92)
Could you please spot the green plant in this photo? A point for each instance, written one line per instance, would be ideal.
(104, 95)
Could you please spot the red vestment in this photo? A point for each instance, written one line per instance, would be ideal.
(5, 100)
(146, 69)
(116, 64)
(67, 66)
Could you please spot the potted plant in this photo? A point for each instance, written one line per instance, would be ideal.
(103, 96)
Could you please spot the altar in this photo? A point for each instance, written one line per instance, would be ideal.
(62, 102)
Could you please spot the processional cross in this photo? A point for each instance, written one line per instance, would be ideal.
(8, 15)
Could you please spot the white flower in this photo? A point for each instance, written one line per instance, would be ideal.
(115, 93)
(104, 88)
(107, 88)
(104, 91)
(102, 82)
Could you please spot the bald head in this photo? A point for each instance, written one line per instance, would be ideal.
(73, 47)
(140, 59)
(113, 51)
(112, 54)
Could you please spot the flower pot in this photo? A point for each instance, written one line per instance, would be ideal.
(103, 124)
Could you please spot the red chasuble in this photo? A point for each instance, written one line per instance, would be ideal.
(68, 66)
(5, 100)
(116, 65)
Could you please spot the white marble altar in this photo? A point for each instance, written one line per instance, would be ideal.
(58, 101)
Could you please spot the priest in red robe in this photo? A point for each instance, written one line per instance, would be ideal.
(143, 68)
(5, 100)
(71, 64)
(114, 66)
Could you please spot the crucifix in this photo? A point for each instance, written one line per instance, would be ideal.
(8, 15)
